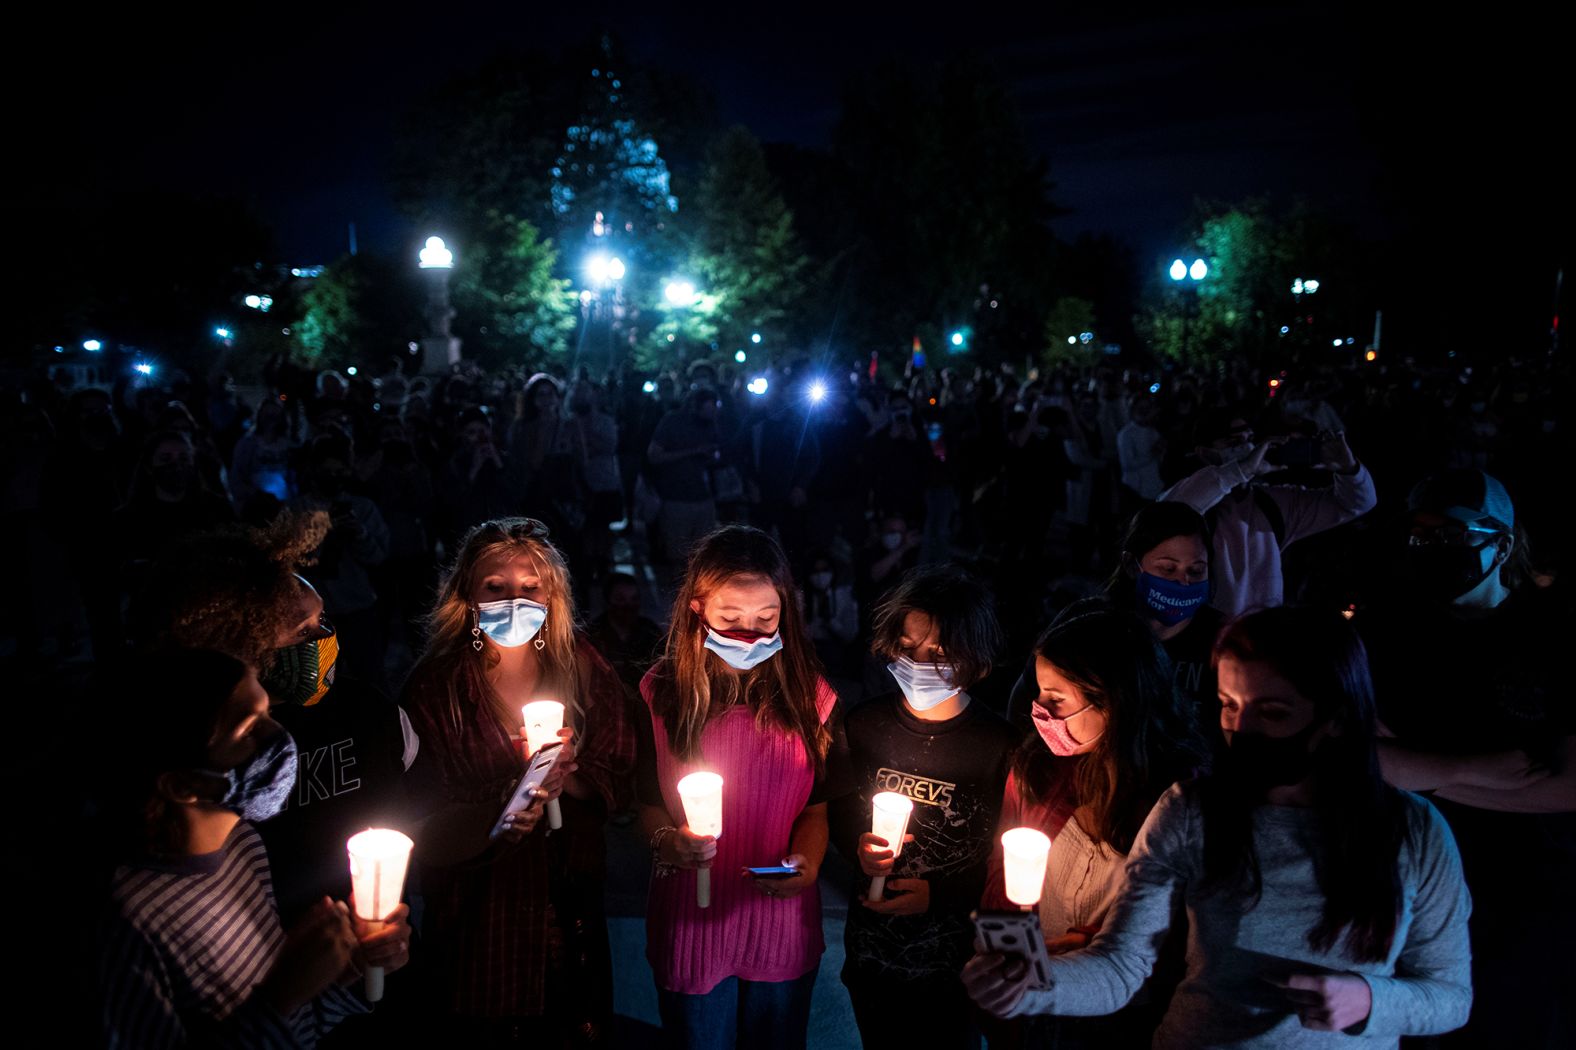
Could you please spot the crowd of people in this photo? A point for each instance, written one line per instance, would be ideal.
(1269, 657)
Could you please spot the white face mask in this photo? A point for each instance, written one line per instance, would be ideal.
(742, 655)
(512, 622)
(924, 685)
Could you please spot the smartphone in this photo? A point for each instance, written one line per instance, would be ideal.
(1298, 452)
(1015, 933)
(536, 774)
(775, 871)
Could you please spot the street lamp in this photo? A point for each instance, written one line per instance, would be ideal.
(92, 345)
(741, 357)
(755, 337)
(436, 255)
(679, 292)
(757, 386)
(603, 269)
(1178, 270)
(440, 349)
(1198, 271)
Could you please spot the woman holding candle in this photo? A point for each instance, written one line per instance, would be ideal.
(506, 917)
(1319, 899)
(193, 950)
(737, 693)
(929, 742)
(1111, 738)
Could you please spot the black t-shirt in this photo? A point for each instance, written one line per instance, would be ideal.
(956, 772)
(351, 746)
(1456, 683)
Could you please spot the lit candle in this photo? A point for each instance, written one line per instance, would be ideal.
(1024, 854)
(378, 859)
(543, 720)
(889, 813)
(701, 794)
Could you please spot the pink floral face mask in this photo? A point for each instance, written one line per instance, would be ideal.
(1054, 732)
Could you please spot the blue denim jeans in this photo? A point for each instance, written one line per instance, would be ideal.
(760, 1015)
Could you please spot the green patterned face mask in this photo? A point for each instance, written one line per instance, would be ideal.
(302, 673)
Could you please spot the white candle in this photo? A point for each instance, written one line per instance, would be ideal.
(378, 859)
(701, 794)
(889, 813)
(1024, 855)
(542, 720)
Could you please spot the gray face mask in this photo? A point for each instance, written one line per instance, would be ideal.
(259, 788)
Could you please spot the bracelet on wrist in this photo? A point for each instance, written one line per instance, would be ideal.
(660, 868)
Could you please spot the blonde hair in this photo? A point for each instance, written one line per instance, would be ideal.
(451, 662)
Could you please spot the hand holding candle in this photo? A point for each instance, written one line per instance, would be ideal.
(378, 859)
(889, 820)
(1025, 853)
(542, 721)
(701, 794)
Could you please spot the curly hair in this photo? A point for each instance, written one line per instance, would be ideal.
(232, 590)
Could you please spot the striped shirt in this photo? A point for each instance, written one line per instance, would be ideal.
(187, 945)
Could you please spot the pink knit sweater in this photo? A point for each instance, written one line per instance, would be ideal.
(766, 781)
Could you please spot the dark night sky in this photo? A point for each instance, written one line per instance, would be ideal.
(294, 108)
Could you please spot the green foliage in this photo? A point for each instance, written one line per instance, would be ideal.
(357, 311)
(510, 307)
(747, 254)
(1069, 316)
(1253, 252)
(949, 210)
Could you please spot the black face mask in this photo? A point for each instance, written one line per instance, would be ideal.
(1258, 762)
(1440, 573)
(173, 477)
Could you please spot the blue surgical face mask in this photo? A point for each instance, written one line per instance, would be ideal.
(1170, 602)
(924, 685)
(512, 622)
(259, 788)
(742, 655)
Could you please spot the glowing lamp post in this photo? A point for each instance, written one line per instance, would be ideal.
(1025, 852)
(543, 720)
(889, 814)
(702, 797)
(440, 350)
(378, 859)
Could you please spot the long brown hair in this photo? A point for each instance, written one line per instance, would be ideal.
(1363, 822)
(1150, 740)
(689, 689)
(452, 665)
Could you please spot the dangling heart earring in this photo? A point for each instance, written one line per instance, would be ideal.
(541, 643)
(476, 629)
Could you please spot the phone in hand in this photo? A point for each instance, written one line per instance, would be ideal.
(535, 775)
(774, 871)
(1298, 452)
(1015, 933)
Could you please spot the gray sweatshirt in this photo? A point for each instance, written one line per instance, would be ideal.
(1423, 986)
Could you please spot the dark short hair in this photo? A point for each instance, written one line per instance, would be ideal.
(963, 610)
(1151, 526)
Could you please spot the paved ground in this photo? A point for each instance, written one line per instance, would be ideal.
(634, 994)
